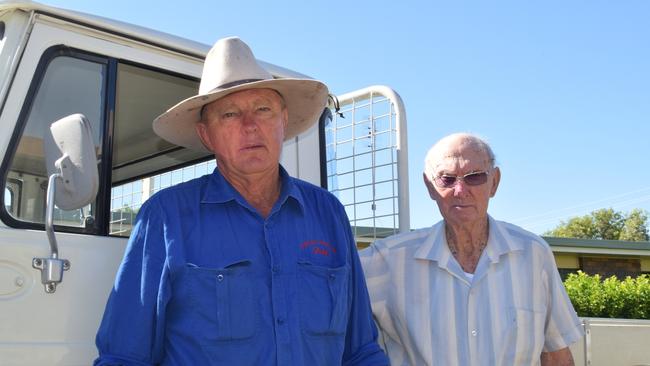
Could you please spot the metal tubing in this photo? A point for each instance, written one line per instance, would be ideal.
(49, 225)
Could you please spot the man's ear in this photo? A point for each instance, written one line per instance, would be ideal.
(202, 130)
(432, 190)
(285, 117)
(496, 178)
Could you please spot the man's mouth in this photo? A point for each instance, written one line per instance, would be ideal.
(252, 147)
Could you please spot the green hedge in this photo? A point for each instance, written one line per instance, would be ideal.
(611, 298)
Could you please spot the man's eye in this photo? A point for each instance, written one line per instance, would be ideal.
(448, 180)
(229, 115)
(263, 109)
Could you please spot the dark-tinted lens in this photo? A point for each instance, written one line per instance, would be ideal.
(445, 181)
(475, 179)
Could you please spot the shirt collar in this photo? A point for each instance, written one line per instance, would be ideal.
(219, 190)
(499, 242)
(435, 248)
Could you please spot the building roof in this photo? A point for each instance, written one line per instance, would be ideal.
(598, 246)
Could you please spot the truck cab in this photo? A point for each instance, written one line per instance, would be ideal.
(55, 63)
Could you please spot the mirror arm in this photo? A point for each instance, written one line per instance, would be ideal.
(49, 214)
(51, 268)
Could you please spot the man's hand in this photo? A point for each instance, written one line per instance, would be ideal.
(561, 357)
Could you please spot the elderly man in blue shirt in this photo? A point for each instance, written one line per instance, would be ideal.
(247, 265)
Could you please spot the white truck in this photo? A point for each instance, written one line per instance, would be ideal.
(56, 63)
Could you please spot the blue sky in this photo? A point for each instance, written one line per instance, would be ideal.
(561, 89)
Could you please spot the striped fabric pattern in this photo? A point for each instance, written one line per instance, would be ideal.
(430, 313)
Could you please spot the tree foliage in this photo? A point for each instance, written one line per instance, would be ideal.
(606, 224)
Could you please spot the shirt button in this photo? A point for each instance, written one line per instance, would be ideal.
(275, 269)
(219, 277)
(280, 320)
(474, 332)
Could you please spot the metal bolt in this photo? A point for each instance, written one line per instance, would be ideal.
(50, 287)
(66, 265)
(38, 262)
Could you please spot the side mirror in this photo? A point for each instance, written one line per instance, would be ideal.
(73, 183)
(70, 152)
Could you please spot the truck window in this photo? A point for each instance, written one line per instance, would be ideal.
(126, 199)
(66, 85)
(143, 163)
(137, 162)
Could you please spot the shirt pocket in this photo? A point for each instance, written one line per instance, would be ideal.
(323, 298)
(224, 303)
(524, 338)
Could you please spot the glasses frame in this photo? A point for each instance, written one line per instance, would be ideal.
(458, 178)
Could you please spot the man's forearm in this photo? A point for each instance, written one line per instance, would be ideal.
(561, 357)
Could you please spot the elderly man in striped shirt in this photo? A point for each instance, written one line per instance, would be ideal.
(470, 290)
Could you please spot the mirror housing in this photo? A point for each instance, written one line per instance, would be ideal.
(70, 152)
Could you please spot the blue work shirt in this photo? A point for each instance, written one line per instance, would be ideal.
(206, 280)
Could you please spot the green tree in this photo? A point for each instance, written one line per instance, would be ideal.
(636, 226)
(606, 224)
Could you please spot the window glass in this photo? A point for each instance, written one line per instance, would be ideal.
(128, 198)
(9, 200)
(69, 85)
(139, 155)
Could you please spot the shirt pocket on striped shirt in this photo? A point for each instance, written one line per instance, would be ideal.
(323, 299)
(223, 301)
(524, 338)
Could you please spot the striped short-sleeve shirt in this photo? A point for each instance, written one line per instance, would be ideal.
(430, 313)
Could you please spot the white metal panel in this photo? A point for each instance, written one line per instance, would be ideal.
(54, 329)
(309, 155)
(289, 158)
(301, 156)
(613, 342)
(11, 46)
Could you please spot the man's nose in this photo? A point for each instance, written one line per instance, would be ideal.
(460, 187)
(249, 121)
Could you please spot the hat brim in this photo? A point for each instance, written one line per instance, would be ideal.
(305, 100)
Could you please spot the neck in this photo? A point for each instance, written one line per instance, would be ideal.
(260, 190)
(466, 243)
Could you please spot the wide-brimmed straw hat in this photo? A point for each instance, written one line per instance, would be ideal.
(231, 67)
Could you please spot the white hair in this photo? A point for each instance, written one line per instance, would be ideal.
(432, 158)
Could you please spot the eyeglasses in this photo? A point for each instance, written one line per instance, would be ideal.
(471, 179)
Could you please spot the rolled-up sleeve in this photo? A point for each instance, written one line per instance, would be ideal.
(132, 329)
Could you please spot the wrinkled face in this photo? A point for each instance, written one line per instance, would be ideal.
(462, 204)
(245, 131)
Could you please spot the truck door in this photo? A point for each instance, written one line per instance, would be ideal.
(120, 86)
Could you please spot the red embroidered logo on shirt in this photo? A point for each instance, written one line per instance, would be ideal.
(319, 247)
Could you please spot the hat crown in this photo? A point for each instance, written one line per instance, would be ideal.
(230, 62)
